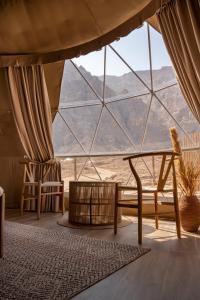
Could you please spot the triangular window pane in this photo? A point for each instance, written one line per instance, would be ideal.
(176, 104)
(110, 138)
(163, 72)
(83, 121)
(121, 80)
(132, 114)
(157, 133)
(74, 89)
(63, 140)
(92, 66)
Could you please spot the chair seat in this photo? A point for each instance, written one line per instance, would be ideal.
(51, 183)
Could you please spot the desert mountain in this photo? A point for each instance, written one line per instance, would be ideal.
(130, 113)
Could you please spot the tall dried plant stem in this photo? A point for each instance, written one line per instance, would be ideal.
(177, 148)
(188, 172)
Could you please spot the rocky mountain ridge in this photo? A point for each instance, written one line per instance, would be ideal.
(130, 113)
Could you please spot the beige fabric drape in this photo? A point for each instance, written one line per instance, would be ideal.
(32, 114)
(180, 26)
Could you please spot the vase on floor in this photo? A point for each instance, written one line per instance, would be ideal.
(190, 213)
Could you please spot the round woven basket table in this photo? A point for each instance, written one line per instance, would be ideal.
(92, 202)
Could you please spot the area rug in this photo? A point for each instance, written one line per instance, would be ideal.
(64, 221)
(47, 264)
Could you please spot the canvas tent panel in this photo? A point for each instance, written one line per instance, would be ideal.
(43, 31)
(10, 144)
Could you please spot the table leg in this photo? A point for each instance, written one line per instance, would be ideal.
(2, 211)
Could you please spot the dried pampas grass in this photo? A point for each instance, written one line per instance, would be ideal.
(188, 182)
(188, 172)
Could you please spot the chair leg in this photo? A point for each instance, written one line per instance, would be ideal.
(39, 199)
(38, 208)
(139, 226)
(176, 205)
(63, 205)
(156, 208)
(177, 216)
(22, 205)
(139, 218)
(22, 200)
(116, 210)
(115, 219)
(63, 198)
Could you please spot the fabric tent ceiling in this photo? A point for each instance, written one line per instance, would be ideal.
(43, 31)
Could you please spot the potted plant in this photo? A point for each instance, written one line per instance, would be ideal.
(188, 174)
(189, 203)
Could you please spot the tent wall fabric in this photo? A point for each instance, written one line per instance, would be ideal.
(180, 27)
(11, 149)
(43, 31)
(9, 139)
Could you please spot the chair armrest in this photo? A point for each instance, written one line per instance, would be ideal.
(138, 155)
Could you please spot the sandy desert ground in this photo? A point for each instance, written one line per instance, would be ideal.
(109, 168)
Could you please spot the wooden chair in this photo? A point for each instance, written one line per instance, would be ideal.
(36, 185)
(2, 216)
(166, 166)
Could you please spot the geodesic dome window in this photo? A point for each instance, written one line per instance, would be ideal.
(122, 99)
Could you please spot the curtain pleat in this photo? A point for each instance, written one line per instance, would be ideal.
(180, 27)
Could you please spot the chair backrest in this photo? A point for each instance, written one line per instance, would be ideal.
(166, 165)
(34, 172)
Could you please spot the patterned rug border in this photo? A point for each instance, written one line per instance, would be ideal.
(62, 234)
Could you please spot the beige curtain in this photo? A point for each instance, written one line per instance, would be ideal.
(180, 26)
(32, 114)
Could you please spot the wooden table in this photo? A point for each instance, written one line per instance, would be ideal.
(92, 202)
(2, 212)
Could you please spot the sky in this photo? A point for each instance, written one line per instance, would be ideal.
(133, 48)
